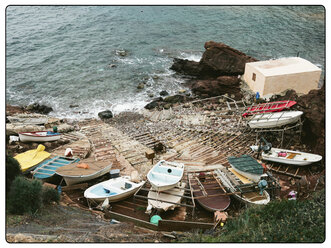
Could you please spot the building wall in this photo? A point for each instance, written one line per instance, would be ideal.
(258, 84)
(300, 82)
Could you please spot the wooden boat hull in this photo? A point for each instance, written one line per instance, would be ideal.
(216, 199)
(70, 180)
(116, 188)
(166, 200)
(278, 119)
(47, 168)
(292, 157)
(40, 136)
(73, 174)
(250, 198)
(28, 120)
(253, 177)
(165, 175)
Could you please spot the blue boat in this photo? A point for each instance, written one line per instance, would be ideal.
(48, 167)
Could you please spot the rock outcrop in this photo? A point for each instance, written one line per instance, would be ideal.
(186, 67)
(218, 60)
(167, 102)
(37, 108)
(216, 87)
(313, 106)
(104, 115)
(217, 72)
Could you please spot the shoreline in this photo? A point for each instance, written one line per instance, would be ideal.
(200, 131)
(125, 132)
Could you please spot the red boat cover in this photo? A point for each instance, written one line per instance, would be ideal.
(268, 107)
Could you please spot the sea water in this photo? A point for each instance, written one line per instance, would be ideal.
(81, 60)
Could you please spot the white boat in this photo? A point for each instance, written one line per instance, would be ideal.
(73, 174)
(271, 120)
(232, 181)
(28, 119)
(165, 175)
(165, 200)
(39, 136)
(290, 157)
(115, 189)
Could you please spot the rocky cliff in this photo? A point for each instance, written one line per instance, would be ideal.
(217, 72)
(313, 107)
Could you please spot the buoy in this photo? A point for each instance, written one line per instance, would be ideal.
(155, 219)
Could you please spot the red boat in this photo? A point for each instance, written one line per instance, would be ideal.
(268, 107)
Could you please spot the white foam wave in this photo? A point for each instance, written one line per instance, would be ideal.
(191, 56)
(128, 106)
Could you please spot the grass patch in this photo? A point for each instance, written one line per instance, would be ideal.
(279, 221)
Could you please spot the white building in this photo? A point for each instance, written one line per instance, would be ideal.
(275, 76)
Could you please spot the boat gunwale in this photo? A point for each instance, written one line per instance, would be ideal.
(82, 176)
(33, 134)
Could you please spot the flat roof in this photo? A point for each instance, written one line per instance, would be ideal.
(283, 66)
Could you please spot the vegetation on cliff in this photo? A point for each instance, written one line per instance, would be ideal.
(279, 221)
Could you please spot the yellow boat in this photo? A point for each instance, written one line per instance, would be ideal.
(29, 159)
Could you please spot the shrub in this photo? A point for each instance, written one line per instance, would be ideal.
(50, 195)
(279, 221)
(13, 169)
(24, 196)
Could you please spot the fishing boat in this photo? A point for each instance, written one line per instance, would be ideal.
(268, 107)
(83, 171)
(165, 200)
(47, 168)
(290, 157)
(242, 188)
(30, 159)
(28, 119)
(39, 136)
(165, 175)
(247, 166)
(278, 119)
(115, 189)
(210, 193)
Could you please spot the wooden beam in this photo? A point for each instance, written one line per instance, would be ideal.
(76, 186)
(126, 218)
(174, 225)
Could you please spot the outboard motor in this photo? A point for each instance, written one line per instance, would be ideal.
(267, 147)
(262, 185)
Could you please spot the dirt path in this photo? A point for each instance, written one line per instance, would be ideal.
(59, 223)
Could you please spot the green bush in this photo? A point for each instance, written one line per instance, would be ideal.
(279, 221)
(13, 169)
(50, 195)
(25, 196)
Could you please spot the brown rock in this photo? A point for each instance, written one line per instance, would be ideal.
(218, 60)
(216, 87)
(313, 107)
(187, 67)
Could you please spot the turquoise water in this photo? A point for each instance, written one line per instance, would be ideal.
(60, 55)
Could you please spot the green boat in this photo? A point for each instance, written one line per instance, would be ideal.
(247, 166)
